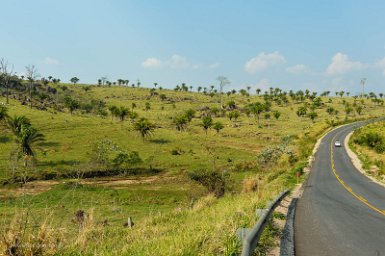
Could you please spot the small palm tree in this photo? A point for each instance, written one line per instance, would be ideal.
(218, 126)
(3, 113)
(16, 123)
(144, 127)
(180, 122)
(207, 122)
(276, 114)
(27, 138)
(123, 112)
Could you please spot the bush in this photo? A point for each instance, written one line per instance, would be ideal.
(131, 158)
(214, 181)
(380, 148)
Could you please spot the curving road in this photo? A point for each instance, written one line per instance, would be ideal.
(341, 212)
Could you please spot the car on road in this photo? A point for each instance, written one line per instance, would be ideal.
(337, 143)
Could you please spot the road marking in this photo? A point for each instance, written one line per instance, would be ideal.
(349, 189)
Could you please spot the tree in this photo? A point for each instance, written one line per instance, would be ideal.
(190, 113)
(312, 115)
(258, 91)
(276, 114)
(359, 109)
(218, 126)
(71, 103)
(330, 110)
(114, 111)
(26, 136)
(122, 113)
(233, 115)
(3, 113)
(207, 122)
(144, 127)
(74, 80)
(5, 73)
(301, 111)
(256, 109)
(223, 81)
(133, 116)
(180, 122)
(32, 75)
(148, 106)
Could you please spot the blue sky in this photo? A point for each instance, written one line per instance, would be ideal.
(320, 45)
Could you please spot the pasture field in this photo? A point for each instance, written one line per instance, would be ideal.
(65, 203)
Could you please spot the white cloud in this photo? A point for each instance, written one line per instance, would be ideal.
(175, 62)
(296, 69)
(50, 61)
(341, 64)
(214, 65)
(178, 61)
(152, 63)
(263, 61)
(381, 64)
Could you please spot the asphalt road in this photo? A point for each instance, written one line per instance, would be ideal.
(341, 212)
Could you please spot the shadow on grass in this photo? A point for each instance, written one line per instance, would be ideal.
(49, 144)
(58, 163)
(159, 141)
(4, 139)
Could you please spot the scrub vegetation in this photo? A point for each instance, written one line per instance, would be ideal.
(369, 144)
(115, 168)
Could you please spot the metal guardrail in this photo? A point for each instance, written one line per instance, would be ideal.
(250, 237)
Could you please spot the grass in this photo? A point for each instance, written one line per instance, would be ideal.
(172, 214)
(372, 161)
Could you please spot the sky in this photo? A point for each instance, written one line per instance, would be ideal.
(303, 44)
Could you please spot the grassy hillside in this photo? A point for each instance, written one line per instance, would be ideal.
(173, 214)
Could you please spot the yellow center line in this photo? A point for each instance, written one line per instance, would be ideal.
(349, 189)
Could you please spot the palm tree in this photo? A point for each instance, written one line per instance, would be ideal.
(114, 111)
(144, 127)
(180, 122)
(16, 123)
(258, 91)
(26, 136)
(218, 126)
(276, 114)
(3, 113)
(122, 113)
(207, 122)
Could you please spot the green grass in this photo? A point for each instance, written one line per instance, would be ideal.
(368, 156)
(172, 214)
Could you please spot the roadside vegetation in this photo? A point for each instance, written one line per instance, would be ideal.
(369, 144)
(116, 168)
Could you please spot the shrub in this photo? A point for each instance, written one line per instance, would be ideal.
(214, 181)
(251, 184)
(131, 158)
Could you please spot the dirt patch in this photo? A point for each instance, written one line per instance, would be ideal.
(37, 187)
(121, 182)
(30, 188)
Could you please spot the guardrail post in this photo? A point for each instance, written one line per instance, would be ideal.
(250, 237)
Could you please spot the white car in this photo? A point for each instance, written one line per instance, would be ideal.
(337, 143)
